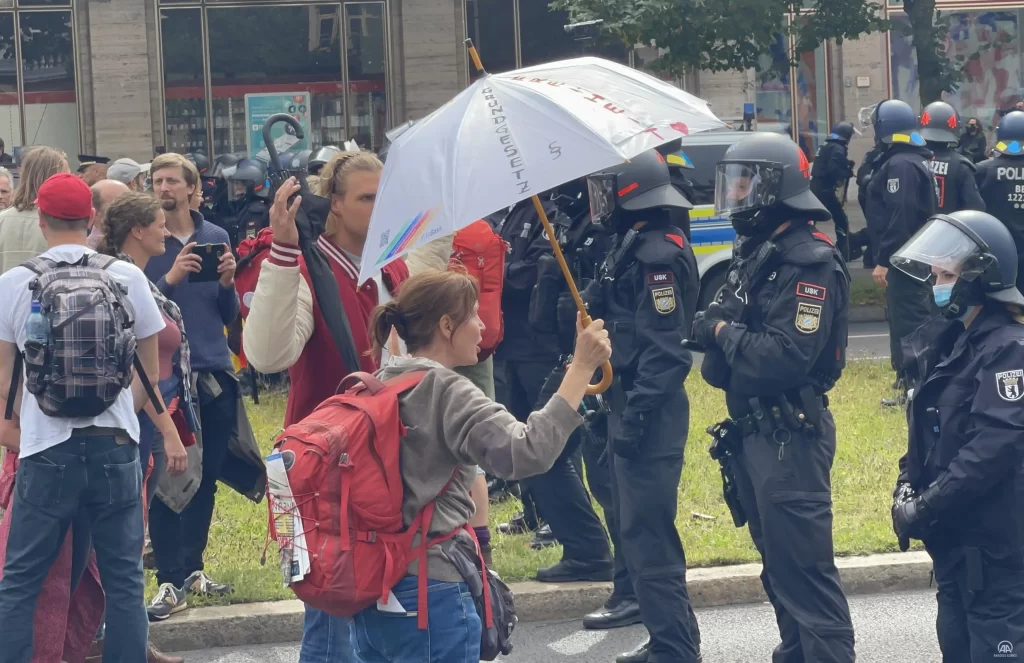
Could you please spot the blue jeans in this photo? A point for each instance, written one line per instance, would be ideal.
(88, 474)
(452, 635)
(325, 639)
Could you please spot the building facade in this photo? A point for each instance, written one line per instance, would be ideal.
(126, 77)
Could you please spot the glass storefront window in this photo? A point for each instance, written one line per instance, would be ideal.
(43, 3)
(10, 111)
(773, 100)
(48, 67)
(812, 100)
(996, 77)
(282, 49)
(491, 24)
(184, 94)
(366, 41)
(542, 37)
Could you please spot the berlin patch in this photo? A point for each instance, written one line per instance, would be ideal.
(808, 317)
(664, 299)
(810, 290)
(894, 185)
(1010, 385)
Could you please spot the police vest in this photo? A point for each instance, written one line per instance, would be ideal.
(951, 170)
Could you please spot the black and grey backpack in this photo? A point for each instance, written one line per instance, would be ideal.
(87, 357)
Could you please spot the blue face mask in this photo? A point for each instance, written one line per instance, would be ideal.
(942, 293)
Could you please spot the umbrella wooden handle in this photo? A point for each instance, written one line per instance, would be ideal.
(606, 370)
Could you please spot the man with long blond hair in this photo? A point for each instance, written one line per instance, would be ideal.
(21, 239)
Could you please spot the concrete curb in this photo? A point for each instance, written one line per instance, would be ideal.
(867, 314)
(281, 621)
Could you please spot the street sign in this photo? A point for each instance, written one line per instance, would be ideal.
(260, 106)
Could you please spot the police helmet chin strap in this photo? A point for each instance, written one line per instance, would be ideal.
(965, 295)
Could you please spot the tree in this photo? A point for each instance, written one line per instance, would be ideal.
(722, 35)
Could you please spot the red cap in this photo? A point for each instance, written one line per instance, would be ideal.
(65, 196)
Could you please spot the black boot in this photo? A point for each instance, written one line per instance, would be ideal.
(543, 538)
(571, 570)
(615, 613)
(638, 655)
(517, 525)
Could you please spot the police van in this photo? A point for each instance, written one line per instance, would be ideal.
(711, 236)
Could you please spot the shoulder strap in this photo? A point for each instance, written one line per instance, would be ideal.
(146, 384)
(39, 265)
(15, 385)
(100, 260)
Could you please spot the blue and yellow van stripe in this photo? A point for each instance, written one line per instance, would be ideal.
(709, 233)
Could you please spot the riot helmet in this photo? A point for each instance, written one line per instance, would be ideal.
(294, 161)
(761, 181)
(940, 123)
(618, 194)
(841, 133)
(1010, 134)
(247, 178)
(967, 256)
(896, 122)
(319, 159)
(223, 162)
(200, 161)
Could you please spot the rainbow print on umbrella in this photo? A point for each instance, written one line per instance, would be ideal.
(408, 235)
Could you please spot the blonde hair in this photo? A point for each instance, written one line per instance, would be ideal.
(174, 160)
(39, 165)
(334, 176)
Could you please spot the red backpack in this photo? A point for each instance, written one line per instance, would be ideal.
(347, 485)
(481, 252)
(251, 253)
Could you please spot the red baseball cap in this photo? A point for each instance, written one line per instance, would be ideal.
(65, 196)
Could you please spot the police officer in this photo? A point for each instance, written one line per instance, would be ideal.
(295, 162)
(320, 158)
(206, 179)
(775, 342)
(959, 488)
(1001, 181)
(248, 193)
(647, 295)
(832, 168)
(955, 186)
(900, 198)
(860, 241)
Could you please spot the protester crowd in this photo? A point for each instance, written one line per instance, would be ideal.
(137, 302)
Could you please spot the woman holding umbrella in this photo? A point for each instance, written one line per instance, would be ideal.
(286, 329)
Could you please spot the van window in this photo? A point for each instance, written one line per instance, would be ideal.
(705, 160)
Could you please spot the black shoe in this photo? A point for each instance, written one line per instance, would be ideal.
(499, 490)
(571, 570)
(544, 538)
(515, 526)
(638, 655)
(900, 401)
(614, 615)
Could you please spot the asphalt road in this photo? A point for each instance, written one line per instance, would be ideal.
(866, 340)
(893, 627)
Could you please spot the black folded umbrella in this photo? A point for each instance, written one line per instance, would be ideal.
(311, 219)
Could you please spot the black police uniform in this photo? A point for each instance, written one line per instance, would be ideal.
(831, 168)
(900, 198)
(966, 424)
(648, 295)
(523, 362)
(1001, 185)
(955, 185)
(782, 349)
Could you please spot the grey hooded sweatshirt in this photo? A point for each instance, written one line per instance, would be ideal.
(452, 428)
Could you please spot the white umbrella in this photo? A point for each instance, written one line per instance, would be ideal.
(514, 135)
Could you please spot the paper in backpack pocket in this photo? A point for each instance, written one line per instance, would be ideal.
(291, 539)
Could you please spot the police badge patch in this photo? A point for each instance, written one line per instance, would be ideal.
(894, 185)
(1010, 385)
(664, 299)
(808, 317)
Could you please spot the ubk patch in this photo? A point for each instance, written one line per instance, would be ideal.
(659, 278)
(894, 185)
(808, 317)
(1010, 385)
(810, 290)
(664, 299)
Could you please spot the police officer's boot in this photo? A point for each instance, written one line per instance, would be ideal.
(615, 613)
(639, 655)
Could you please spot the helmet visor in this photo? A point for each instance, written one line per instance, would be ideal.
(601, 190)
(941, 247)
(744, 186)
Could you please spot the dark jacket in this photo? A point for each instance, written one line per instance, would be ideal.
(1001, 185)
(966, 423)
(973, 146)
(900, 199)
(955, 185)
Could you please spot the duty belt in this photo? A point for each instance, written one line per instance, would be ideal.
(778, 419)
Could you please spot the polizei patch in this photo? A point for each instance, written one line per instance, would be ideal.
(808, 317)
(1010, 385)
(894, 185)
(664, 299)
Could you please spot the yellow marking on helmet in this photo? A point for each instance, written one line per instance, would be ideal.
(1001, 146)
(900, 138)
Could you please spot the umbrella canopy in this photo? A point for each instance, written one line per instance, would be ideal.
(514, 135)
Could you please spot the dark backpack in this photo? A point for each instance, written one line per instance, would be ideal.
(90, 350)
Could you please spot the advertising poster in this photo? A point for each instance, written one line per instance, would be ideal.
(259, 107)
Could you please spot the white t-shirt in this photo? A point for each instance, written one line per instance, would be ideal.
(38, 431)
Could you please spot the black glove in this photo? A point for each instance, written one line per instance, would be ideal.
(629, 439)
(912, 517)
(903, 493)
(703, 331)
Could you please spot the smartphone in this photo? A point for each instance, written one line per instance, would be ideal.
(210, 255)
